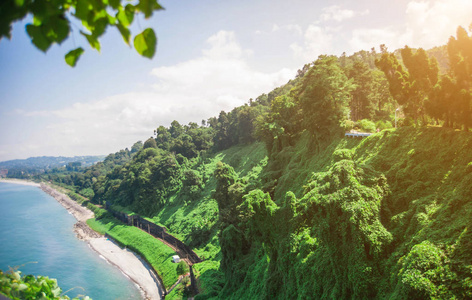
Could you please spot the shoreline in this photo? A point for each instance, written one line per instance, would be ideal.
(20, 181)
(130, 264)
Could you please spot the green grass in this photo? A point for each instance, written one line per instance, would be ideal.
(156, 253)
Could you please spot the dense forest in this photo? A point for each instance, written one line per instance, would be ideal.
(280, 204)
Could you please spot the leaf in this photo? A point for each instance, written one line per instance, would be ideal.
(114, 3)
(82, 9)
(148, 6)
(92, 40)
(125, 16)
(145, 43)
(125, 33)
(73, 56)
(38, 38)
(57, 28)
(19, 2)
(99, 26)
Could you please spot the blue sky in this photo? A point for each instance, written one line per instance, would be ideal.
(211, 56)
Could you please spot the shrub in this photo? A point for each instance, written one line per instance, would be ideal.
(182, 268)
(366, 125)
(341, 154)
(15, 286)
(381, 125)
(348, 125)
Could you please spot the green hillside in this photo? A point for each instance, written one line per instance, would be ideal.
(382, 217)
(385, 217)
(280, 204)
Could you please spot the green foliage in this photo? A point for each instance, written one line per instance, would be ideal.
(323, 95)
(366, 125)
(99, 212)
(370, 98)
(182, 268)
(342, 154)
(381, 125)
(312, 214)
(52, 22)
(15, 286)
(390, 209)
(145, 43)
(155, 252)
(73, 56)
(424, 273)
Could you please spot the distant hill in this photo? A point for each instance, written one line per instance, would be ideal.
(35, 165)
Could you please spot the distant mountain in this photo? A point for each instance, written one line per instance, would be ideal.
(34, 165)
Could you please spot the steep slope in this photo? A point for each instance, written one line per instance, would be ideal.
(385, 217)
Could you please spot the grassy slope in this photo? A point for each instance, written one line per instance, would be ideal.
(428, 210)
(429, 174)
(156, 253)
(183, 216)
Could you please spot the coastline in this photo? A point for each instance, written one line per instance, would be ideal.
(126, 261)
(19, 181)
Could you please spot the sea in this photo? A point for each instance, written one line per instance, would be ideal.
(37, 237)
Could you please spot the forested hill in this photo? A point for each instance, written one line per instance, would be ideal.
(279, 204)
(25, 168)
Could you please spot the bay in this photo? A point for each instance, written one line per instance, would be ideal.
(36, 235)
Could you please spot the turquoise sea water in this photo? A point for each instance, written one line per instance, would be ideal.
(36, 228)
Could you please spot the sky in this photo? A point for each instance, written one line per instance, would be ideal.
(211, 56)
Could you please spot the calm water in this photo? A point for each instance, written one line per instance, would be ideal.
(36, 228)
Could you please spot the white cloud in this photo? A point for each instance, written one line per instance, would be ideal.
(197, 89)
(220, 76)
(278, 29)
(295, 28)
(365, 39)
(338, 14)
(317, 40)
(428, 24)
(223, 46)
(431, 23)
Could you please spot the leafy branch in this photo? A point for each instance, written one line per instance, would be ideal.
(52, 22)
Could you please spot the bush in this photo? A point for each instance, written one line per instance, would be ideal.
(341, 154)
(366, 125)
(182, 268)
(347, 125)
(87, 193)
(381, 125)
(15, 286)
(423, 272)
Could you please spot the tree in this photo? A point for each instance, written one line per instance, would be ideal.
(441, 104)
(362, 105)
(136, 147)
(150, 143)
(423, 76)
(460, 60)
(410, 87)
(53, 22)
(451, 98)
(324, 96)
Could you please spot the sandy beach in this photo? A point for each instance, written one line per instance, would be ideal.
(19, 181)
(125, 260)
(129, 264)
